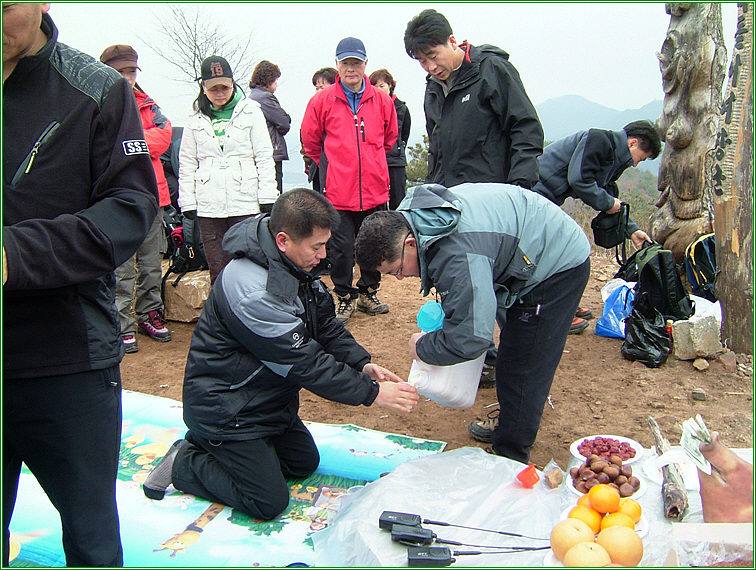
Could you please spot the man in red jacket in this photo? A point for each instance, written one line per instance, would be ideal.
(141, 275)
(352, 125)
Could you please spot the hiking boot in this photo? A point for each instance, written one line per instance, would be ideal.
(583, 313)
(482, 430)
(487, 376)
(578, 325)
(368, 303)
(345, 309)
(160, 477)
(154, 327)
(129, 342)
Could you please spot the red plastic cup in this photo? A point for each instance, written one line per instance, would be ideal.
(528, 477)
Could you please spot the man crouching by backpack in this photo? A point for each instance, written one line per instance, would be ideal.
(268, 329)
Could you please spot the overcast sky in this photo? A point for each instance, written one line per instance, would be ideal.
(603, 52)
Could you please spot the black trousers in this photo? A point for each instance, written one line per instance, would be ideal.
(248, 475)
(397, 185)
(340, 250)
(67, 430)
(530, 347)
(279, 176)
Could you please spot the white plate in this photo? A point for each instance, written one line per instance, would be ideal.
(634, 444)
(639, 492)
(653, 470)
(641, 527)
(551, 561)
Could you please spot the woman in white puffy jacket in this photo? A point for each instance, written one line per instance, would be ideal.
(226, 168)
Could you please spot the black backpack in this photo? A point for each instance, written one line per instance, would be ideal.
(185, 252)
(701, 266)
(659, 278)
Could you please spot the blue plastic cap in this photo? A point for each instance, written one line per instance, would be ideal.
(430, 317)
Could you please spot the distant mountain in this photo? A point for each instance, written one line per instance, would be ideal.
(569, 114)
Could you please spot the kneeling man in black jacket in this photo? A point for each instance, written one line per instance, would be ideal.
(267, 330)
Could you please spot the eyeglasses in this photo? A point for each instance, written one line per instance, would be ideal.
(401, 262)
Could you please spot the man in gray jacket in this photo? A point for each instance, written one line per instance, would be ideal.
(494, 253)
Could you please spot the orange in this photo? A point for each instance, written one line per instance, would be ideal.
(604, 499)
(617, 519)
(588, 516)
(584, 501)
(631, 508)
(624, 546)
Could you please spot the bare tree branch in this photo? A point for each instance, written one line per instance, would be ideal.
(184, 36)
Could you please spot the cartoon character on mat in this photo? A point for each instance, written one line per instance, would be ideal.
(191, 534)
(18, 539)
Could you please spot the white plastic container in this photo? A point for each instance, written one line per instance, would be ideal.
(453, 386)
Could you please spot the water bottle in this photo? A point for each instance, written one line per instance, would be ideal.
(454, 386)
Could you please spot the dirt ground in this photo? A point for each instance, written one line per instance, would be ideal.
(595, 390)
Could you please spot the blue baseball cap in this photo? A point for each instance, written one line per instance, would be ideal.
(351, 47)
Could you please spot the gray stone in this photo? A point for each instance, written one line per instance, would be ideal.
(696, 338)
(698, 394)
(728, 361)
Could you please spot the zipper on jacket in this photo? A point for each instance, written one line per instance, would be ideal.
(359, 155)
(28, 162)
(247, 379)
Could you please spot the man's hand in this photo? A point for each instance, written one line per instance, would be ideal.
(614, 209)
(379, 373)
(413, 345)
(731, 501)
(397, 396)
(639, 237)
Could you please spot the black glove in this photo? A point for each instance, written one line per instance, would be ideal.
(266, 208)
(190, 214)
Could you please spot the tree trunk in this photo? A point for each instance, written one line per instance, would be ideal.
(733, 192)
(692, 61)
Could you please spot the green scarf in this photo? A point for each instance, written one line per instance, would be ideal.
(221, 117)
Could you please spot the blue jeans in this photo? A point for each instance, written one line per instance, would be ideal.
(67, 430)
(530, 347)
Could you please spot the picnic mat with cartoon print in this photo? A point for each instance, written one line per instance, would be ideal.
(185, 531)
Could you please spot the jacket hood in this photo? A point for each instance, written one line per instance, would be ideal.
(624, 158)
(252, 239)
(432, 213)
(477, 52)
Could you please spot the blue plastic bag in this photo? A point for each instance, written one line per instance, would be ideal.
(617, 306)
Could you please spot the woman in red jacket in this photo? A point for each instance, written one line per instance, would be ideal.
(139, 278)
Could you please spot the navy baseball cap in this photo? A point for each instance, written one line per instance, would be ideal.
(351, 47)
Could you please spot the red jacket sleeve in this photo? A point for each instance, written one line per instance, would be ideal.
(312, 127)
(157, 131)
